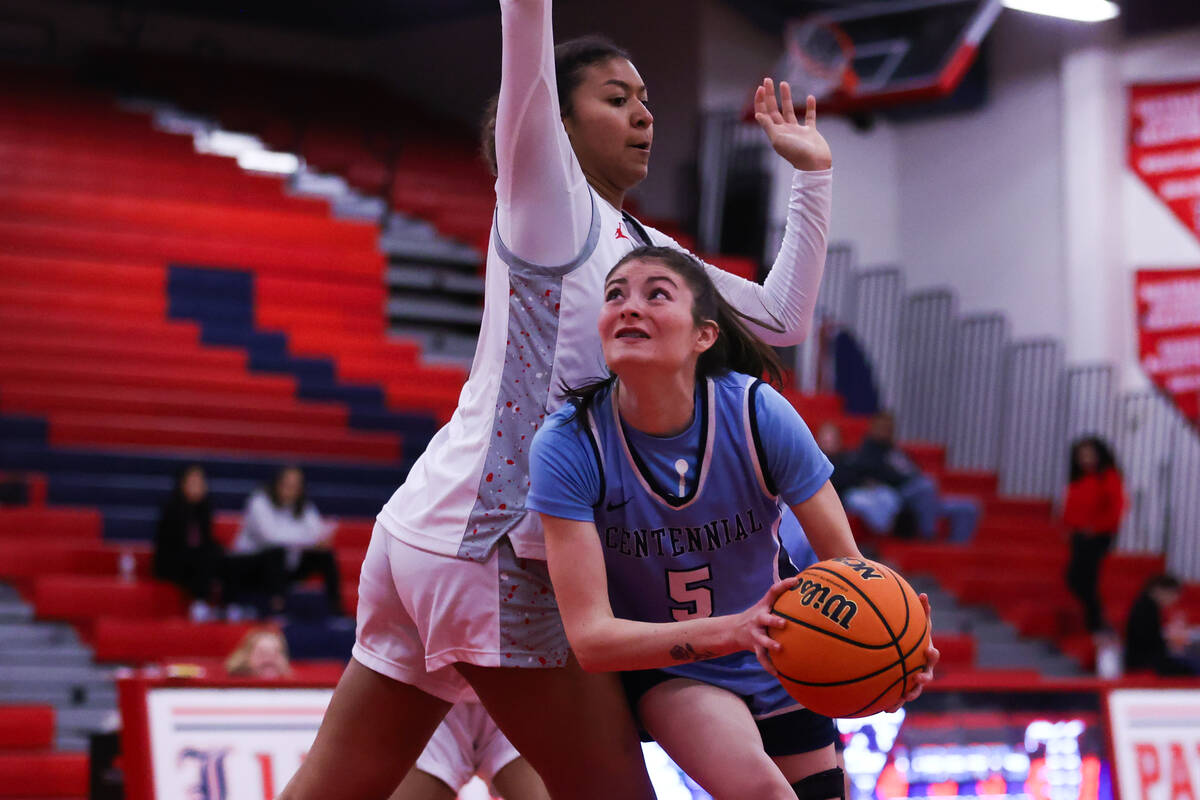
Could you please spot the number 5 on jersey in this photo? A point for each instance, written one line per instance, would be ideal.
(686, 589)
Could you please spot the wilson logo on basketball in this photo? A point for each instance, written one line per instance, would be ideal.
(864, 569)
(836, 607)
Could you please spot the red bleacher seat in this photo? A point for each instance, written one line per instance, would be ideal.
(26, 727)
(86, 598)
(135, 641)
(43, 775)
(23, 559)
(49, 524)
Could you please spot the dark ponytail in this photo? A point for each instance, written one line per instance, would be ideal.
(737, 349)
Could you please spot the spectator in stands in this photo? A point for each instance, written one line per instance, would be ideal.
(884, 469)
(1094, 503)
(262, 653)
(280, 519)
(1147, 647)
(185, 551)
(876, 504)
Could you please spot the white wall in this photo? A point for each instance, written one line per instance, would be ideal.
(981, 192)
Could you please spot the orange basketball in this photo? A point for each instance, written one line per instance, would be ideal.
(855, 639)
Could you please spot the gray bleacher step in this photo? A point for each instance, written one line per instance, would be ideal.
(15, 611)
(53, 674)
(439, 345)
(434, 310)
(86, 720)
(40, 695)
(20, 634)
(432, 250)
(8, 592)
(71, 742)
(423, 277)
(61, 696)
(73, 655)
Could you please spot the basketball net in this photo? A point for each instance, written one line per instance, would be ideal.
(818, 59)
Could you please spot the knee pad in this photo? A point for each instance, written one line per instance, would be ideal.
(822, 785)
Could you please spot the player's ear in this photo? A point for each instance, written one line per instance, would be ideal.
(707, 334)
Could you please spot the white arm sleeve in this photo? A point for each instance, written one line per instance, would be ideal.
(785, 301)
(543, 204)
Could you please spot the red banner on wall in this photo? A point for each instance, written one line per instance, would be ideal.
(1168, 320)
(1164, 145)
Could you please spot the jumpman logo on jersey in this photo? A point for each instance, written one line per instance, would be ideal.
(620, 233)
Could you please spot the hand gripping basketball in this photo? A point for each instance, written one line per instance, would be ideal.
(855, 639)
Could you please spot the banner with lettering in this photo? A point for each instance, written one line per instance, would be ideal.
(1156, 742)
(1164, 145)
(1168, 321)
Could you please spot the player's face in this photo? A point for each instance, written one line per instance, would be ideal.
(610, 125)
(646, 321)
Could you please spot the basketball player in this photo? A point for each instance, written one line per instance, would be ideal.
(659, 490)
(468, 743)
(454, 591)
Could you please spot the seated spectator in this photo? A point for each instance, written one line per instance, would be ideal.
(1092, 511)
(185, 552)
(262, 653)
(280, 520)
(876, 504)
(1146, 645)
(881, 465)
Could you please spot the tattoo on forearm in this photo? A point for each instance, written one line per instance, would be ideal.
(685, 652)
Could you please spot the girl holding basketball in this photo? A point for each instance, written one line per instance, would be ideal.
(454, 591)
(659, 490)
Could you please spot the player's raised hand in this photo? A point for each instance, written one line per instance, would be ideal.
(754, 625)
(931, 658)
(797, 141)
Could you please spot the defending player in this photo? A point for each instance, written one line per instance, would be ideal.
(659, 491)
(454, 592)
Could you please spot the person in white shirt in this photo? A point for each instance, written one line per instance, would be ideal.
(454, 595)
(280, 516)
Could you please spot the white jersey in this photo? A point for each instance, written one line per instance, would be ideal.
(539, 329)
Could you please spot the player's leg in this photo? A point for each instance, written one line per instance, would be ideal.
(418, 785)
(802, 745)
(499, 763)
(373, 731)
(572, 726)
(709, 732)
(518, 780)
(814, 775)
(387, 703)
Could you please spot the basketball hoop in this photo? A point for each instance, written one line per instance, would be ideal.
(818, 59)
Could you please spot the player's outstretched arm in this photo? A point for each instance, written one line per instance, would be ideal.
(543, 206)
(605, 643)
(781, 308)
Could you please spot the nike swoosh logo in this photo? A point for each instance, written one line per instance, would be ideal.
(615, 506)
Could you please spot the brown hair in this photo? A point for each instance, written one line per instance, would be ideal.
(571, 58)
(737, 349)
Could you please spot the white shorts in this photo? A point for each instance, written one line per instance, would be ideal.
(420, 612)
(466, 743)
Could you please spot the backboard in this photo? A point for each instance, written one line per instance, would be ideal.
(886, 53)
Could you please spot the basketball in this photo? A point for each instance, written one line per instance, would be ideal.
(855, 638)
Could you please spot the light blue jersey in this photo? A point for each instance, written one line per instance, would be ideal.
(689, 524)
